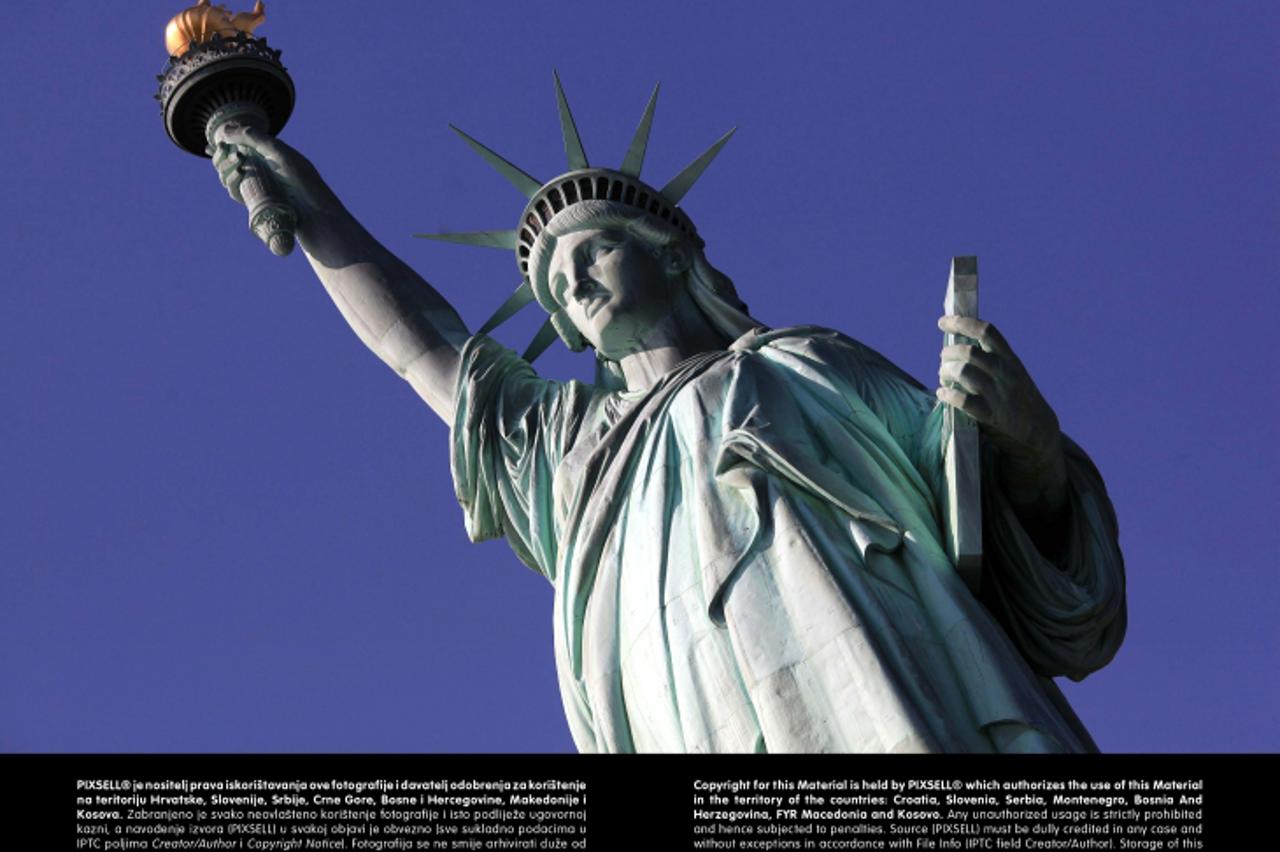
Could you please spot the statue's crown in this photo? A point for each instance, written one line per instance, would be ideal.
(583, 182)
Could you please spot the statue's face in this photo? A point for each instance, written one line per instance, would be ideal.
(613, 287)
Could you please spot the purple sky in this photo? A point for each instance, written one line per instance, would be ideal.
(227, 527)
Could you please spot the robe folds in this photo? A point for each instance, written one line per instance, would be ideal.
(748, 556)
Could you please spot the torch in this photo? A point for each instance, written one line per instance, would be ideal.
(219, 74)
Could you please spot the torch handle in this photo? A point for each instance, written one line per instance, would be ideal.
(271, 216)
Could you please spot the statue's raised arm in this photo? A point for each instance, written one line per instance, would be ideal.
(390, 307)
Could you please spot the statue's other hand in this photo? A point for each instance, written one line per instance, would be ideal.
(989, 383)
(292, 171)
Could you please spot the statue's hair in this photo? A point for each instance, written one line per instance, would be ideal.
(712, 291)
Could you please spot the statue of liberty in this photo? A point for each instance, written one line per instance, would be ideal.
(742, 524)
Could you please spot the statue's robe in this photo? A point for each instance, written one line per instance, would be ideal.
(748, 557)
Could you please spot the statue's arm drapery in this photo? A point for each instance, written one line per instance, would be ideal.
(1064, 611)
(509, 434)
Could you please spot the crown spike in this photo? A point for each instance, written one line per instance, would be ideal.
(519, 179)
(572, 141)
(488, 239)
(544, 338)
(517, 300)
(680, 184)
(632, 163)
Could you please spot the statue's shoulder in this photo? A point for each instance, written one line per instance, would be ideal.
(845, 375)
(799, 336)
(820, 346)
(489, 371)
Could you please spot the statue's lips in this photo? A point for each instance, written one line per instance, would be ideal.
(594, 304)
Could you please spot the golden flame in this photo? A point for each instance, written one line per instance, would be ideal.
(203, 21)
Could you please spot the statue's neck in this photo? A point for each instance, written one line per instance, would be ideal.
(685, 332)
